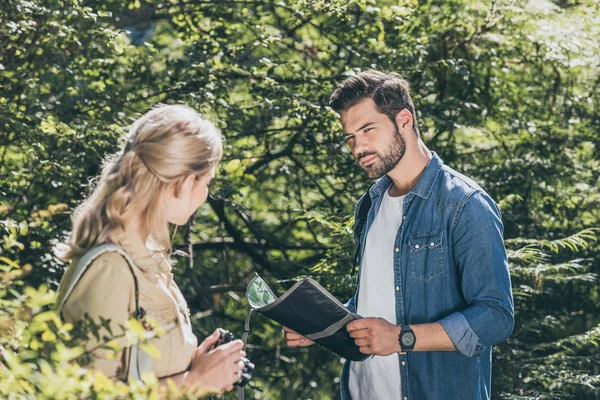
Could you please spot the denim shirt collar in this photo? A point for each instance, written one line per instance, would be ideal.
(422, 188)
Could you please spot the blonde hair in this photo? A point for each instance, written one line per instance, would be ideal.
(163, 146)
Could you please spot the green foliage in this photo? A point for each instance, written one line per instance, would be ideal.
(506, 92)
(44, 358)
(38, 350)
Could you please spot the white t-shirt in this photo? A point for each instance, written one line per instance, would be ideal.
(379, 377)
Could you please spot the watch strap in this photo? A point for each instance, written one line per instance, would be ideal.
(403, 329)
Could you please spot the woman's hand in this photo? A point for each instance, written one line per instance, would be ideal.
(294, 339)
(219, 368)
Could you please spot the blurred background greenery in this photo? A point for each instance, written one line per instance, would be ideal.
(507, 92)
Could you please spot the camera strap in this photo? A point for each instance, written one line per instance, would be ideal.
(247, 331)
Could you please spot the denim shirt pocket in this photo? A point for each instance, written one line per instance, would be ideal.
(426, 255)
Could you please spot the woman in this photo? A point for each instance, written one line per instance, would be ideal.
(161, 177)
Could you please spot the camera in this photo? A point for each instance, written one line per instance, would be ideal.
(226, 337)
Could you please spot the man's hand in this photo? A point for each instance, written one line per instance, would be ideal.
(294, 339)
(375, 336)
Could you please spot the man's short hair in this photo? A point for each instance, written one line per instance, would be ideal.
(389, 91)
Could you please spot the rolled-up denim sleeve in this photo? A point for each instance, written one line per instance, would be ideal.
(480, 256)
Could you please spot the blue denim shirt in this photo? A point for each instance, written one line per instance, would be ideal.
(450, 266)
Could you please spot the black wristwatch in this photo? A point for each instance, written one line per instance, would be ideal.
(407, 339)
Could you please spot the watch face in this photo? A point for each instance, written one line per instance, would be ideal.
(408, 339)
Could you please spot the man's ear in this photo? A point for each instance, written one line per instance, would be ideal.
(404, 119)
(184, 186)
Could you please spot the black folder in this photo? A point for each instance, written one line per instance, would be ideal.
(315, 313)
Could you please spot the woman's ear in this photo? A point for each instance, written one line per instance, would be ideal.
(185, 186)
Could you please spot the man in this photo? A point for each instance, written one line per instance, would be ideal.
(433, 281)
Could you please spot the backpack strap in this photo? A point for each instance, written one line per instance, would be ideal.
(139, 360)
(361, 218)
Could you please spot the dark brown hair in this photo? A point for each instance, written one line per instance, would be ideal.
(389, 91)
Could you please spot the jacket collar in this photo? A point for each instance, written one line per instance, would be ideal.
(148, 260)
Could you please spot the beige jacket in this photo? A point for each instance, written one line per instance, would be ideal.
(107, 289)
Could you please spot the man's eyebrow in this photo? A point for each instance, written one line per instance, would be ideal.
(361, 128)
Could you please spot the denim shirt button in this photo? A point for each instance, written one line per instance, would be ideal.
(397, 288)
(417, 246)
(403, 363)
(397, 250)
(432, 244)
